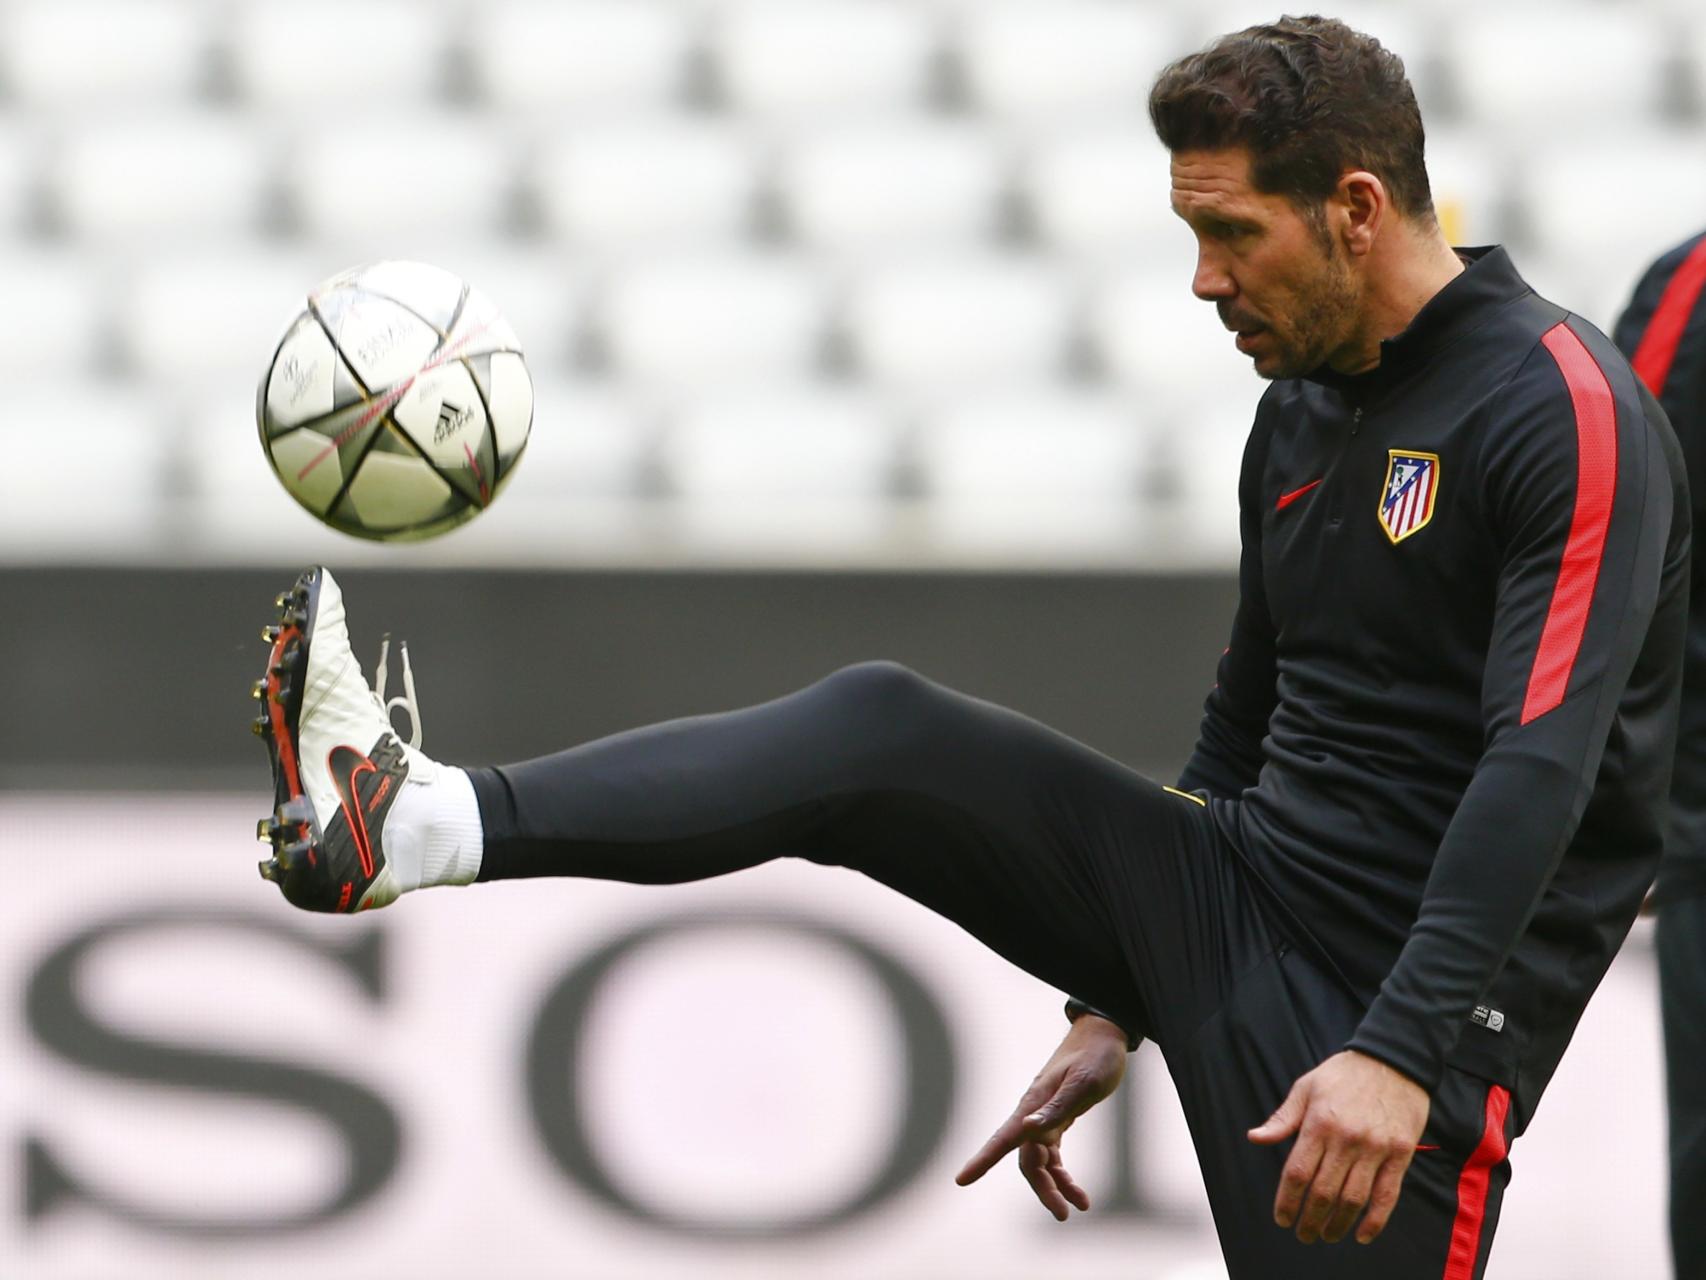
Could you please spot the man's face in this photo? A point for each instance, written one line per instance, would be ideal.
(1279, 281)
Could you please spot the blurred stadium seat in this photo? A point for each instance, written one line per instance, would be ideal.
(20, 167)
(1081, 446)
(942, 322)
(163, 330)
(802, 441)
(56, 320)
(1538, 68)
(1608, 192)
(806, 464)
(1690, 25)
(1033, 473)
(1197, 459)
(329, 56)
(636, 182)
(1100, 190)
(1151, 333)
(788, 57)
(119, 487)
(1599, 207)
(582, 55)
(712, 320)
(1030, 60)
(157, 180)
(96, 56)
(403, 176)
(890, 184)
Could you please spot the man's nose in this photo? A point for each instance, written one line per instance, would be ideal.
(1212, 282)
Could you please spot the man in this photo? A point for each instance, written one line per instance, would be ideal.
(1663, 332)
(1425, 802)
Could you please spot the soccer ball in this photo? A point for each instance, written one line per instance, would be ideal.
(397, 404)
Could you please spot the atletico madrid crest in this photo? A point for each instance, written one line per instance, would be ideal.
(1412, 482)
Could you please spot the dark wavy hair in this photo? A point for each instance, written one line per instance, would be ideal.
(1310, 99)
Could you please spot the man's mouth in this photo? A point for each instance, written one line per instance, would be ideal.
(1247, 327)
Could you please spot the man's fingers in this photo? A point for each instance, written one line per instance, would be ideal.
(1068, 1185)
(1034, 1164)
(1014, 1130)
(1299, 1172)
(1322, 1197)
(1046, 1106)
(1387, 1184)
(1353, 1198)
(1350, 1111)
(1006, 1138)
(1285, 1121)
(1073, 1081)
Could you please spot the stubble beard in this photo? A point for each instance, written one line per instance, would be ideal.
(1320, 323)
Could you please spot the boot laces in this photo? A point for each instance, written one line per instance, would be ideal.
(406, 699)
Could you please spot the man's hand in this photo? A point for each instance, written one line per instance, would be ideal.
(1357, 1122)
(1086, 1068)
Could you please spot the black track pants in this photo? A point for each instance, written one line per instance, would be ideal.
(1682, 997)
(1083, 873)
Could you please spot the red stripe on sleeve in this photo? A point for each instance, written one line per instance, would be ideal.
(1596, 482)
(1657, 349)
(1472, 1185)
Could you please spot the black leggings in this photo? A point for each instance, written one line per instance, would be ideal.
(1076, 869)
(1682, 990)
(1032, 842)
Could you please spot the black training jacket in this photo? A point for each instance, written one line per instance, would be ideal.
(1443, 728)
(1663, 332)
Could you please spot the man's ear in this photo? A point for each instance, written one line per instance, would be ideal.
(1360, 202)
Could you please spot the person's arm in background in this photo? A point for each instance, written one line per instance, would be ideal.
(1663, 333)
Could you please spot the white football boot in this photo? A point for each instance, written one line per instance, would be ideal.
(337, 765)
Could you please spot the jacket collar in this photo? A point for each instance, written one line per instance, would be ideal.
(1488, 281)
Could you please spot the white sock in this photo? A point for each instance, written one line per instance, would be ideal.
(432, 833)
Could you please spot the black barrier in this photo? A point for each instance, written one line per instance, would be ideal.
(121, 678)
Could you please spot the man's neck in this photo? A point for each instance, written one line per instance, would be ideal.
(1413, 266)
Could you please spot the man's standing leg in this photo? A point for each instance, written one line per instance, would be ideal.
(1237, 1042)
(1283, 1017)
(1682, 998)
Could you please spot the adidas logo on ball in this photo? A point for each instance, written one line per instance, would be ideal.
(451, 419)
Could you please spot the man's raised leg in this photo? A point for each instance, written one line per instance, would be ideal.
(1059, 859)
